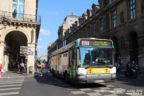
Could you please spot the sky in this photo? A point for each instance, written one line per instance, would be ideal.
(52, 14)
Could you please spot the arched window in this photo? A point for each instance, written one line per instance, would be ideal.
(132, 9)
(114, 18)
(18, 9)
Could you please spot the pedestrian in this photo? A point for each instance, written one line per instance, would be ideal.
(43, 66)
(1, 70)
(38, 66)
(22, 66)
(18, 67)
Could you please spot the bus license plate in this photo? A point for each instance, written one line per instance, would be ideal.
(98, 70)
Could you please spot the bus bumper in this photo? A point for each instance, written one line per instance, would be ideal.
(96, 78)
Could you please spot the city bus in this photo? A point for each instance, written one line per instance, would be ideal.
(85, 60)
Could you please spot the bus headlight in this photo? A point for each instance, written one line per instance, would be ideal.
(113, 70)
(81, 71)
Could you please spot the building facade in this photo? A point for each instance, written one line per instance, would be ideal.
(119, 20)
(19, 31)
(67, 24)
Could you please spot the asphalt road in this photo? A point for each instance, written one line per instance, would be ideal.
(51, 86)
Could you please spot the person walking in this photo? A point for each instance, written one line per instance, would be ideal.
(1, 70)
(18, 68)
(22, 66)
(43, 66)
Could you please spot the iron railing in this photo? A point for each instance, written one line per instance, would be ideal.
(20, 17)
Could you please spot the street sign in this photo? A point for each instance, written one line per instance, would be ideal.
(29, 52)
(24, 51)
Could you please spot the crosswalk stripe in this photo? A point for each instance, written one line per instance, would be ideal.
(9, 93)
(11, 83)
(16, 85)
(8, 89)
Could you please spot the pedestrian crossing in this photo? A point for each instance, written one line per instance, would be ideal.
(108, 90)
(11, 87)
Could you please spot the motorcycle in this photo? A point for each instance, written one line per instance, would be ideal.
(132, 70)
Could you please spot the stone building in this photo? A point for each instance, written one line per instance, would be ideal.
(67, 23)
(60, 42)
(119, 20)
(19, 31)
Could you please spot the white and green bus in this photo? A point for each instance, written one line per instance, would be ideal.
(86, 60)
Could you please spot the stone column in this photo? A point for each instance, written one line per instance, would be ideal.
(6, 62)
(31, 58)
(2, 45)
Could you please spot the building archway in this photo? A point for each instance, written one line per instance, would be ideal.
(133, 47)
(13, 41)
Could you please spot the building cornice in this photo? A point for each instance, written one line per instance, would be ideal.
(98, 13)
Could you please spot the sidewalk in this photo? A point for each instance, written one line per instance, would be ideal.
(9, 75)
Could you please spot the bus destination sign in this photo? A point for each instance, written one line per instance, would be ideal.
(96, 43)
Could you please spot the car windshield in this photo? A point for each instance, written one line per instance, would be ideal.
(96, 56)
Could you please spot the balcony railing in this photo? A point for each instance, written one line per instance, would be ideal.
(20, 17)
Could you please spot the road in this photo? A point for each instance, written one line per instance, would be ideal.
(51, 86)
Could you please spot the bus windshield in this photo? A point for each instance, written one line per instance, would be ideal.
(96, 56)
